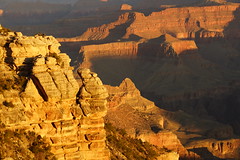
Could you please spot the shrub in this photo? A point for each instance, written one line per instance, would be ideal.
(117, 139)
(24, 145)
(17, 83)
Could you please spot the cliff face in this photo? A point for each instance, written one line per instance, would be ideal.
(121, 49)
(51, 103)
(114, 30)
(183, 23)
(172, 130)
(219, 148)
(182, 20)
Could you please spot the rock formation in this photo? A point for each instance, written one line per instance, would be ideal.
(187, 20)
(104, 31)
(172, 130)
(126, 7)
(51, 103)
(121, 49)
(219, 148)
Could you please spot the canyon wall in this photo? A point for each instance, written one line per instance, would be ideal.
(183, 23)
(219, 148)
(115, 49)
(182, 20)
(104, 31)
(46, 98)
(171, 130)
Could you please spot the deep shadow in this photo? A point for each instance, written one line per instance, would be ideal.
(39, 87)
(205, 154)
(155, 128)
(232, 30)
(120, 30)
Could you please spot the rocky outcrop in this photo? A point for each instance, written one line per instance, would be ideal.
(51, 103)
(219, 148)
(172, 130)
(128, 93)
(164, 46)
(115, 49)
(167, 139)
(187, 20)
(126, 7)
(104, 31)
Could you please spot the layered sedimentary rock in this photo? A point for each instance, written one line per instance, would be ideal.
(182, 20)
(164, 46)
(167, 139)
(219, 148)
(115, 49)
(114, 30)
(51, 103)
(142, 119)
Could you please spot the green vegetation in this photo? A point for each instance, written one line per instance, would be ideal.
(20, 144)
(121, 145)
(17, 83)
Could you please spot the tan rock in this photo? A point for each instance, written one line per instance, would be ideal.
(126, 7)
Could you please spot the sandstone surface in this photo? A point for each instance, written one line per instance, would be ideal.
(188, 22)
(51, 103)
(187, 19)
(172, 130)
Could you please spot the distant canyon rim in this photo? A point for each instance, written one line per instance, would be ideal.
(185, 59)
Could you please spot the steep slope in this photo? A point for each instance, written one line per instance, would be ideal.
(40, 94)
(186, 62)
(123, 146)
(187, 22)
(112, 31)
(142, 119)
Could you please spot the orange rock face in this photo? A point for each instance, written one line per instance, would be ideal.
(128, 49)
(182, 20)
(168, 140)
(125, 7)
(1, 12)
(184, 46)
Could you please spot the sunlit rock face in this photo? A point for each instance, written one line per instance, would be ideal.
(175, 131)
(49, 101)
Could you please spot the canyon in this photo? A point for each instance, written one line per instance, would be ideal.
(191, 137)
(183, 62)
(187, 63)
(182, 56)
